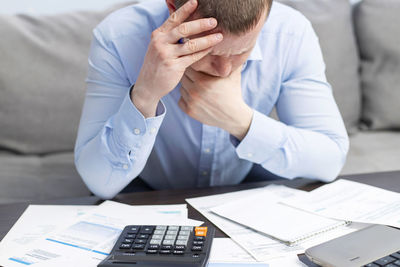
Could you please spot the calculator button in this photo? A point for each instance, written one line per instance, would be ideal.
(147, 230)
(161, 227)
(199, 238)
(197, 248)
(143, 236)
(165, 247)
(396, 255)
(172, 232)
(127, 241)
(187, 228)
(165, 251)
(180, 247)
(178, 252)
(173, 228)
(200, 231)
(184, 233)
(198, 243)
(183, 237)
(168, 242)
(151, 251)
(397, 262)
(157, 237)
(153, 246)
(155, 242)
(133, 229)
(138, 246)
(170, 237)
(195, 255)
(125, 246)
(181, 242)
(140, 241)
(159, 232)
(132, 236)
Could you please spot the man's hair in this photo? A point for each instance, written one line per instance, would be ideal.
(233, 16)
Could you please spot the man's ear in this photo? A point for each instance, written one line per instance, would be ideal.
(171, 6)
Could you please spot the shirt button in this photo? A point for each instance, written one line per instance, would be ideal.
(125, 166)
(204, 173)
(153, 130)
(136, 131)
(250, 155)
(207, 150)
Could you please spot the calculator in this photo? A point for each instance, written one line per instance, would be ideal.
(160, 245)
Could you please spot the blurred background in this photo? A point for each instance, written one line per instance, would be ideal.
(53, 6)
(57, 6)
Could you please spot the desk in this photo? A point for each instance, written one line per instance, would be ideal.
(10, 213)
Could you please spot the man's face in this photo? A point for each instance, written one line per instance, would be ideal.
(231, 53)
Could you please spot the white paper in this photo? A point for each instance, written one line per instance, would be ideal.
(263, 212)
(224, 250)
(260, 246)
(91, 237)
(352, 201)
(37, 221)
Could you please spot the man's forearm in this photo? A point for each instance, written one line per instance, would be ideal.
(144, 101)
(240, 125)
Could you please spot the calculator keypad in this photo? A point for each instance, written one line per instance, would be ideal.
(164, 240)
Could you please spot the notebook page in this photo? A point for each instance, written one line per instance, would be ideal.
(266, 214)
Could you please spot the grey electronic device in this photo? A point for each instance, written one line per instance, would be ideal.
(375, 245)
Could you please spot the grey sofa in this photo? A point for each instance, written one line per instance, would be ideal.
(43, 63)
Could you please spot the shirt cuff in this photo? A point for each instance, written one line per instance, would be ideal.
(132, 128)
(264, 138)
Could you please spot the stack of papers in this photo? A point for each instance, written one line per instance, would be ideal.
(264, 213)
(79, 235)
(263, 247)
(263, 220)
(352, 201)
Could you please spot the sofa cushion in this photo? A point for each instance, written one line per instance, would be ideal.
(42, 79)
(29, 178)
(332, 21)
(373, 152)
(378, 32)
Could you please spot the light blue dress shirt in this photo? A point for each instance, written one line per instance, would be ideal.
(116, 143)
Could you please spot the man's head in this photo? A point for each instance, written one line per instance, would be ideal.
(240, 21)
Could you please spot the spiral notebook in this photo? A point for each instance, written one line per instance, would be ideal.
(267, 215)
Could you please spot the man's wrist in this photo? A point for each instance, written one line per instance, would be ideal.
(144, 102)
(241, 125)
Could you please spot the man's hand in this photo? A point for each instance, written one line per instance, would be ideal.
(216, 101)
(166, 59)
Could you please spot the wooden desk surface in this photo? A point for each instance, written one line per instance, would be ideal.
(9, 213)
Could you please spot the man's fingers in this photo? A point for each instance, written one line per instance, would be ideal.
(179, 16)
(191, 28)
(199, 44)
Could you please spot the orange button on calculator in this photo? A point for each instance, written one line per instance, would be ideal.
(200, 231)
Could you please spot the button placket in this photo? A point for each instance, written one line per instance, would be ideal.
(206, 156)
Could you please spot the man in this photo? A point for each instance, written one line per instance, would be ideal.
(180, 94)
